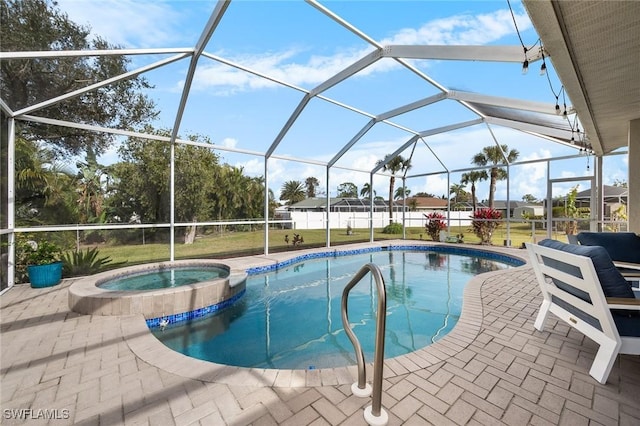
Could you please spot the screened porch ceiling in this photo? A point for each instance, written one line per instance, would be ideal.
(583, 42)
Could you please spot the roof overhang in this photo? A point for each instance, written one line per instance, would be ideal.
(595, 50)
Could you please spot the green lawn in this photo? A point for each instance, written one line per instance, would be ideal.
(230, 244)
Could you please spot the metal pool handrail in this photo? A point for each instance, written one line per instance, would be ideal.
(374, 414)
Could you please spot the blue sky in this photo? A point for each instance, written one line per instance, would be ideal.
(294, 42)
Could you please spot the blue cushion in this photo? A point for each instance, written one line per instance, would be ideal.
(612, 282)
(621, 246)
(627, 325)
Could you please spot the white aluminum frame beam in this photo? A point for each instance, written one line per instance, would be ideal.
(106, 52)
(464, 53)
(541, 107)
(103, 83)
(529, 127)
(352, 69)
(412, 106)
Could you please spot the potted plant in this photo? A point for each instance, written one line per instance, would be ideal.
(42, 259)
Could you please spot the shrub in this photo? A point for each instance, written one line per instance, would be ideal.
(435, 224)
(482, 225)
(392, 228)
(79, 263)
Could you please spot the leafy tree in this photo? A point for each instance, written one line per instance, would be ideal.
(528, 198)
(292, 191)
(394, 165)
(142, 180)
(39, 25)
(425, 194)
(620, 183)
(471, 178)
(571, 211)
(492, 155)
(347, 190)
(311, 183)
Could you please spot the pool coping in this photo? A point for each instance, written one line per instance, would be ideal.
(138, 336)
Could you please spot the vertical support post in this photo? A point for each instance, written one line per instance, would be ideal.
(370, 207)
(172, 198)
(11, 201)
(549, 201)
(404, 205)
(507, 241)
(328, 211)
(266, 206)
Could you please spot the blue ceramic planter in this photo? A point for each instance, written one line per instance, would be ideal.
(45, 275)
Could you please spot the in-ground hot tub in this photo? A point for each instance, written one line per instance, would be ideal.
(192, 294)
(170, 277)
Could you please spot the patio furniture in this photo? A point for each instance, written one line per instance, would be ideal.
(621, 246)
(582, 287)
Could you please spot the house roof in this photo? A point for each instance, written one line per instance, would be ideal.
(427, 202)
(610, 194)
(502, 204)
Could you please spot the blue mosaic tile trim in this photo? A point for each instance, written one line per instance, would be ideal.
(319, 255)
(197, 313)
(464, 251)
(513, 261)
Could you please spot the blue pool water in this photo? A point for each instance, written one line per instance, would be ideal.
(290, 318)
(166, 278)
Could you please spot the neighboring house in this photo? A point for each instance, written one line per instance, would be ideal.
(613, 196)
(516, 208)
(530, 210)
(425, 203)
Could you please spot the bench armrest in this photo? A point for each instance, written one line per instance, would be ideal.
(623, 303)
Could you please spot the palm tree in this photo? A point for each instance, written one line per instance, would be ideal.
(292, 191)
(395, 165)
(365, 192)
(91, 191)
(492, 155)
(402, 192)
(43, 185)
(311, 184)
(471, 178)
(457, 190)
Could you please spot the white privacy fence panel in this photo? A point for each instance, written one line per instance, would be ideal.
(340, 220)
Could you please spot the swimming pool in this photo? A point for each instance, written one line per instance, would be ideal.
(290, 318)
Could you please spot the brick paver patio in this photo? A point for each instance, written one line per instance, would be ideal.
(494, 368)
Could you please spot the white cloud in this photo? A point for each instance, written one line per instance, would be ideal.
(128, 23)
(434, 184)
(461, 29)
(229, 142)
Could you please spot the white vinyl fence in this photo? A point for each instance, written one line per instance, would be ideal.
(340, 220)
